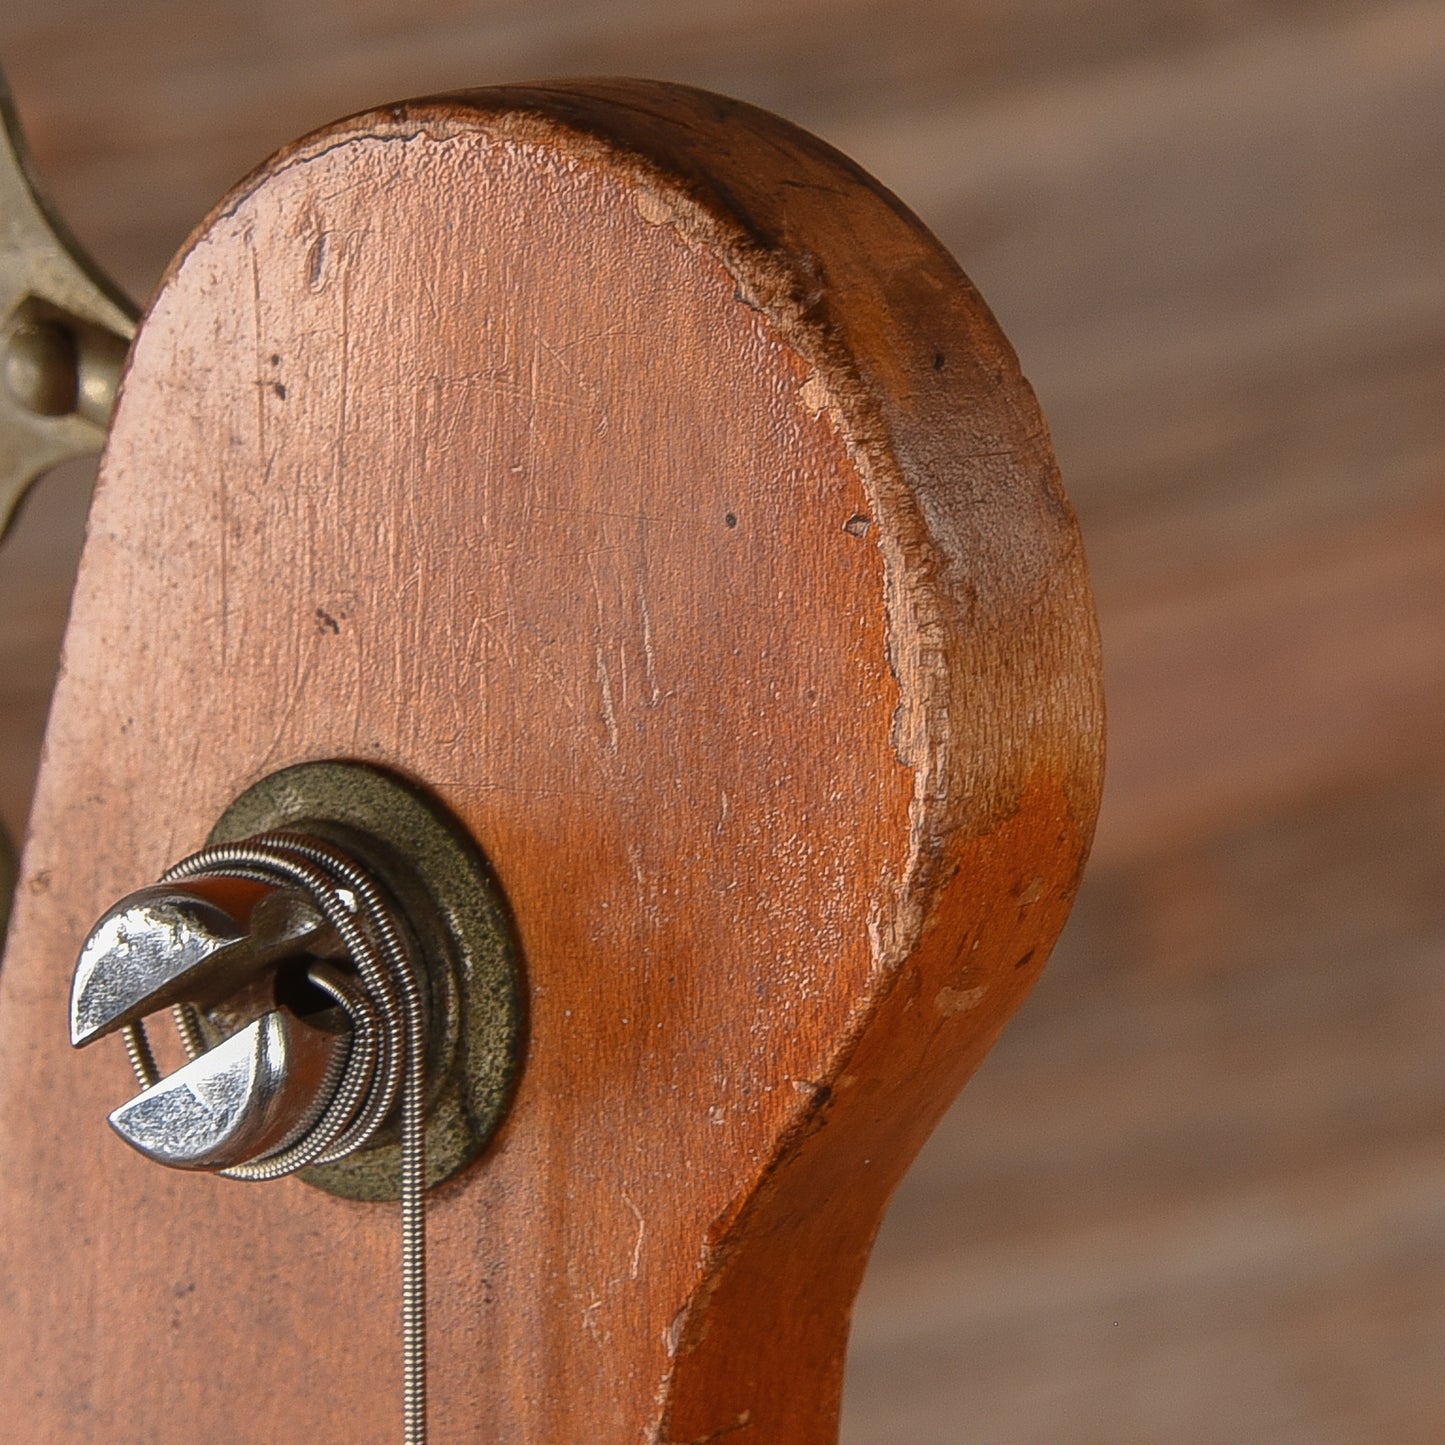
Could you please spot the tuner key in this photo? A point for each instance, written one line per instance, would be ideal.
(65, 329)
(249, 1096)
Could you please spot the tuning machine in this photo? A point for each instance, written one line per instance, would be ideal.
(65, 329)
(337, 923)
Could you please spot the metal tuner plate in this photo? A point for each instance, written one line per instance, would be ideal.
(446, 892)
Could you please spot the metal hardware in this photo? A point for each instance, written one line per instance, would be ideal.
(265, 990)
(209, 942)
(200, 940)
(461, 928)
(315, 969)
(64, 330)
(64, 333)
(293, 1058)
(252, 1095)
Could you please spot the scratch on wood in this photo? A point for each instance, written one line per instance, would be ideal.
(344, 378)
(589, 1321)
(293, 701)
(742, 1422)
(604, 673)
(609, 714)
(591, 391)
(641, 1236)
(654, 693)
(316, 260)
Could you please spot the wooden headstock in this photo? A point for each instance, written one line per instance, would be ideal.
(626, 466)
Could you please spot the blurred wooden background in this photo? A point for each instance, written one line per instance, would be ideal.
(1198, 1192)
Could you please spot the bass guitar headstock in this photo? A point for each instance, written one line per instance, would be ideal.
(623, 473)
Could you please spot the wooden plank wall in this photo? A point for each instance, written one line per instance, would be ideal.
(1198, 1193)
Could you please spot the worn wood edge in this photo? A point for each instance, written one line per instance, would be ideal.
(784, 1250)
(665, 137)
(997, 665)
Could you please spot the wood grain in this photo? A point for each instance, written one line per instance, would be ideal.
(625, 465)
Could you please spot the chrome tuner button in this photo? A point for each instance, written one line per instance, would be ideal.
(341, 973)
(337, 961)
(271, 980)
